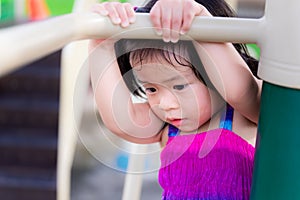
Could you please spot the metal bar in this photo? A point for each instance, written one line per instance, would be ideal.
(33, 40)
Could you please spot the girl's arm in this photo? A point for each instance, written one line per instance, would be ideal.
(223, 64)
(231, 77)
(134, 122)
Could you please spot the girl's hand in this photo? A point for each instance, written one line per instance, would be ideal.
(119, 13)
(174, 17)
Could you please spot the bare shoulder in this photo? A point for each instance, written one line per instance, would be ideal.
(244, 128)
(164, 136)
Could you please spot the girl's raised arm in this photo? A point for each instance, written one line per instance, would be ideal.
(231, 76)
(134, 122)
(223, 64)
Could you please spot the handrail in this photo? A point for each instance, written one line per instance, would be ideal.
(24, 43)
(203, 28)
(74, 83)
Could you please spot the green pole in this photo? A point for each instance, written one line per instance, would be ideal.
(277, 160)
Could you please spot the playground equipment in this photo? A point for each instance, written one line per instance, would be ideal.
(276, 171)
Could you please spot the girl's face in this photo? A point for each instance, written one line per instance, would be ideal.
(175, 94)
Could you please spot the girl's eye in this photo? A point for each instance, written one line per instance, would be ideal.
(179, 87)
(150, 90)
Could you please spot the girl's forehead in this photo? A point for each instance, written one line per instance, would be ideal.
(160, 65)
(150, 56)
(160, 73)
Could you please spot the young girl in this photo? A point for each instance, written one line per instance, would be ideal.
(208, 142)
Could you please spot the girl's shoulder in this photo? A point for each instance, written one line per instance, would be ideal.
(164, 136)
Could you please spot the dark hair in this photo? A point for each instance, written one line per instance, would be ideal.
(126, 47)
(143, 49)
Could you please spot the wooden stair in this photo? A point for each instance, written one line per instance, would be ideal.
(29, 104)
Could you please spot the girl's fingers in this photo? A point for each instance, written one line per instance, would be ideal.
(112, 13)
(176, 24)
(122, 14)
(155, 16)
(190, 10)
(99, 8)
(130, 12)
(119, 13)
(166, 18)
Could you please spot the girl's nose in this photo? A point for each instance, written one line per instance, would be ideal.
(168, 101)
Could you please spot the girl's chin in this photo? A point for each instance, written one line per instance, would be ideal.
(184, 129)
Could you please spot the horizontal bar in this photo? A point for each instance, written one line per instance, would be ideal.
(24, 43)
(212, 29)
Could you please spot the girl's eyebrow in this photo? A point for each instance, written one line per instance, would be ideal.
(174, 78)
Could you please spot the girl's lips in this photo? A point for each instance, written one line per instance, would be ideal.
(175, 122)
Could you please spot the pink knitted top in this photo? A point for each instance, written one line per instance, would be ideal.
(213, 165)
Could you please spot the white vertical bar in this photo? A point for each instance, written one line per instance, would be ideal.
(73, 58)
(134, 176)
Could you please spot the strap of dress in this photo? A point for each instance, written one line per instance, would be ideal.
(173, 131)
(226, 118)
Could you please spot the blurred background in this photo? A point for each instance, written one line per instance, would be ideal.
(29, 122)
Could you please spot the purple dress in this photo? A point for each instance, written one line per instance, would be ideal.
(213, 165)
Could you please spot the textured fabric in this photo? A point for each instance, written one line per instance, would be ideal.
(214, 165)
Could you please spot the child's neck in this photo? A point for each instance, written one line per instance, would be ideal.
(211, 124)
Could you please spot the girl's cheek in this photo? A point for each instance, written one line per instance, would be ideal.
(153, 104)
